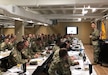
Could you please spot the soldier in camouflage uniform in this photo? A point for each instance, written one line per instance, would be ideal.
(63, 45)
(62, 66)
(39, 45)
(34, 46)
(6, 45)
(15, 56)
(27, 51)
(57, 45)
(56, 49)
(95, 42)
(0, 72)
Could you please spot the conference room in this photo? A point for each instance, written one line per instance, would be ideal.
(42, 26)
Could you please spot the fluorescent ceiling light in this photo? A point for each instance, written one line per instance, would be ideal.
(93, 9)
(1, 15)
(30, 21)
(88, 7)
(79, 19)
(45, 24)
(39, 23)
(84, 11)
(17, 18)
(9, 26)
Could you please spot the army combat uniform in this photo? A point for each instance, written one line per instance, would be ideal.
(0, 72)
(5, 46)
(60, 67)
(15, 58)
(95, 43)
(27, 53)
(56, 55)
(55, 47)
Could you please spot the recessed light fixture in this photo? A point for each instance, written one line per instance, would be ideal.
(93, 9)
(45, 24)
(30, 21)
(88, 7)
(84, 11)
(1, 15)
(17, 18)
(79, 19)
(39, 23)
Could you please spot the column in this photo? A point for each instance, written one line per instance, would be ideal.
(1, 30)
(19, 29)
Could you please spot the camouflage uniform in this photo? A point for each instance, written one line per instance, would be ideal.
(26, 54)
(55, 47)
(39, 48)
(5, 46)
(56, 54)
(61, 67)
(33, 47)
(15, 58)
(0, 72)
(95, 43)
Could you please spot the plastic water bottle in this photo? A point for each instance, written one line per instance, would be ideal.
(84, 57)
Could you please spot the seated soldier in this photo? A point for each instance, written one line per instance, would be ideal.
(62, 66)
(6, 45)
(63, 45)
(27, 52)
(56, 46)
(37, 47)
(15, 56)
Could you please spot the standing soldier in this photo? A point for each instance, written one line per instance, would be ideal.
(95, 42)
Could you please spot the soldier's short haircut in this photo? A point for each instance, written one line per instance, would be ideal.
(67, 41)
(25, 41)
(63, 45)
(93, 22)
(38, 39)
(62, 53)
(20, 43)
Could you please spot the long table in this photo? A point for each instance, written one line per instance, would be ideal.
(77, 48)
(4, 54)
(83, 67)
(32, 69)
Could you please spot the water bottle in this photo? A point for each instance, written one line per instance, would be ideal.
(84, 57)
(90, 69)
(24, 67)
